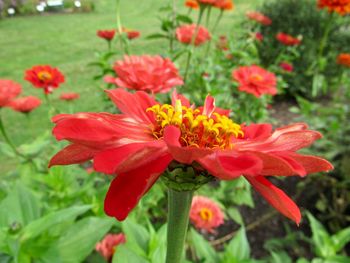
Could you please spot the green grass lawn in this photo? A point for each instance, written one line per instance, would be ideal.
(68, 41)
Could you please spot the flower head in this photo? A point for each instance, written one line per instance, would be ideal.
(286, 66)
(139, 144)
(69, 96)
(255, 80)
(185, 34)
(288, 40)
(205, 214)
(344, 59)
(224, 4)
(259, 17)
(108, 245)
(132, 34)
(25, 104)
(192, 4)
(106, 34)
(223, 43)
(258, 36)
(152, 74)
(8, 91)
(341, 7)
(45, 77)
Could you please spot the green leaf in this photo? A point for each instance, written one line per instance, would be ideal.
(184, 19)
(37, 146)
(7, 150)
(80, 239)
(234, 213)
(21, 206)
(156, 36)
(160, 250)
(337, 259)
(125, 255)
(323, 243)
(238, 247)
(203, 249)
(137, 235)
(42, 224)
(280, 257)
(341, 238)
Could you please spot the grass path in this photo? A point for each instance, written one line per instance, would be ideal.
(68, 41)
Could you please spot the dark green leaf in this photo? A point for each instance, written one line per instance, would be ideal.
(203, 249)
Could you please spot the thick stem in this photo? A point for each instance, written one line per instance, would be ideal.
(179, 208)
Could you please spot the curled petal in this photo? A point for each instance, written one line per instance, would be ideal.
(276, 197)
(127, 188)
(182, 154)
(72, 154)
(257, 131)
(209, 106)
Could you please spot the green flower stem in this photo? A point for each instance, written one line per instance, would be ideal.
(53, 109)
(190, 53)
(325, 36)
(172, 34)
(123, 44)
(179, 204)
(7, 139)
(213, 30)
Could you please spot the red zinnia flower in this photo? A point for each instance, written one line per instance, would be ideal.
(153, 74)
(341, 7)
(106, 34)
(8, 91)
(259, 17)
(205, 214)
(132, 34)
(344, 59)
(69, 96)
(255, 80)
(44, 77)
(288, 40)
(185, 33)
(25, 104)
(258, 36)
(224, 4)
(139, 144)
(192, 4)
(286, 66)
(108, 245)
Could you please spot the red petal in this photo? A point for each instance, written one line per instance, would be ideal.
(228, 167)
(127, 189)
(182, 154)
(126, 157)
(209, 106)
(184, 101)
(276, 197)
(133, 105)
(72, 154)
(312, 164)
(257, 131)
(83, 127)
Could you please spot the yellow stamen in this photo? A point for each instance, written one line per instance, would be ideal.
(206, 214)
(197, 130)
(44, 75)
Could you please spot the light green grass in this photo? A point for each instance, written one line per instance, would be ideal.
(68, 41)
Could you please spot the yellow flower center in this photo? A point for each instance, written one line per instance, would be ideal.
(256, 77)
(206, 214)
(197, 130)
(44, 76)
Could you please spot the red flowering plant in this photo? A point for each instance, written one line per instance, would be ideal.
(152, 74)
(25, 104)
(187, 147)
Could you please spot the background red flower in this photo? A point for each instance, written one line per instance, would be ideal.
(255, 80)
(152, 74)
(185, 34)
(106, 34)
(44, 76)
(288, 40)
(8, 91)
(69, 96)
(259, 17)
(25, 104)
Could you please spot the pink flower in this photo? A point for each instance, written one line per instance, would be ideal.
(108, 245)
(69, 96)
(8, 91)
(286, 66)
(185, 33)
(152, 74)
(259, 17)
(255, 80)
(25, 104)
(205, 214)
